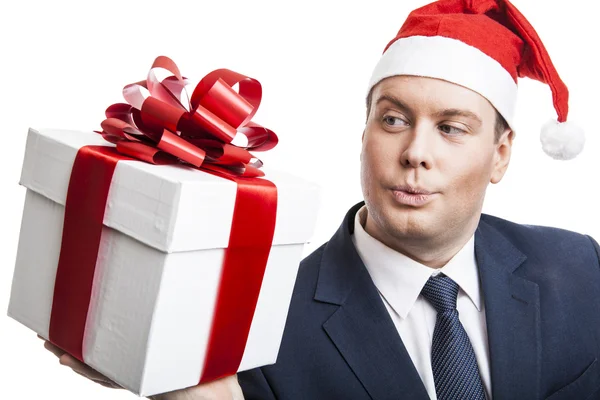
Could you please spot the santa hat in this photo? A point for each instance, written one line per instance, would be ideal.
(483, 45)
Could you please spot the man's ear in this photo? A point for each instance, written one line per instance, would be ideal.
(502, 155)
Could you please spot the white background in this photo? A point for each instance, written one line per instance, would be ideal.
(63, 62)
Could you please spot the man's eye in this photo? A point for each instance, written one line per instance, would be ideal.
(451, 130)
(393, 121)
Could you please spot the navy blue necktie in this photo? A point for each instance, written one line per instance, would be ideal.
(455, 370)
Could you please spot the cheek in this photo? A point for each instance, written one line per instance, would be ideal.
(378, 155)
(375, 167)
(470, 176)
(366, 171)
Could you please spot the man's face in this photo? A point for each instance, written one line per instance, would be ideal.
(430, 135)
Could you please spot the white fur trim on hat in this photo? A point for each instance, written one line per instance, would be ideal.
(453, 61)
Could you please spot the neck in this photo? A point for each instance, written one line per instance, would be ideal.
(434, 252)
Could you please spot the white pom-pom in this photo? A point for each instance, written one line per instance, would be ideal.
(562, 140)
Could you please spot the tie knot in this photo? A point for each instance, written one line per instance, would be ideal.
(441, 292)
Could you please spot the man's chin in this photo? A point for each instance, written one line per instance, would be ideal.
(413, 225)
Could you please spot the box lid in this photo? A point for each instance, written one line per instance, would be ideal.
(169, 207)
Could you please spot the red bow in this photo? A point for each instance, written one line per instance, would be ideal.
(162, 124)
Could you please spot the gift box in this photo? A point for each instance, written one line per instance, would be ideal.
(159, 265)
(157, 250)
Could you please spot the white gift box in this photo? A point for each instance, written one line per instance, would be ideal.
(159, 264)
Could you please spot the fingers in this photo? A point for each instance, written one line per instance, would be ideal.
(86, 371)
(57, 351)
(82, 369)
(101, 380)
(110, 384)
(53, 349)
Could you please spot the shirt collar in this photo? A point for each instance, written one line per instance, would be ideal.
(400, 279)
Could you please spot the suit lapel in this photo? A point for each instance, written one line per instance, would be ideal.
(513, 316)
(361, 328)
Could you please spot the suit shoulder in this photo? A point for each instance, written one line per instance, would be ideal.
(308, 273)
(542, 240)
(506, 226)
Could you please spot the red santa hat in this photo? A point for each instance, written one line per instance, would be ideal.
(483, 45)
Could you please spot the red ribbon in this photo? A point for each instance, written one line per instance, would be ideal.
(161, 131)
(84, 215)
(243, 270)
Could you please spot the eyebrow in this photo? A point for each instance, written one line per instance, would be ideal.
(445, 113)
(394, 100)
(455, 112)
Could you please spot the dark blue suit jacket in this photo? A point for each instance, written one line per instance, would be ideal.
(541, 288)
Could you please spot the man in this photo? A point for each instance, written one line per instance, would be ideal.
(418, 295)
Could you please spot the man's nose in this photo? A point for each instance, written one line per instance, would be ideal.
(419, 146)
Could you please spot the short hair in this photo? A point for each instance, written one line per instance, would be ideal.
(500, 125)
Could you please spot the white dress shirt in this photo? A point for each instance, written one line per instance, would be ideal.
(399, 280)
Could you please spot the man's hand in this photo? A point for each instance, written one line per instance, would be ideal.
(223, 389)
(79, 367)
